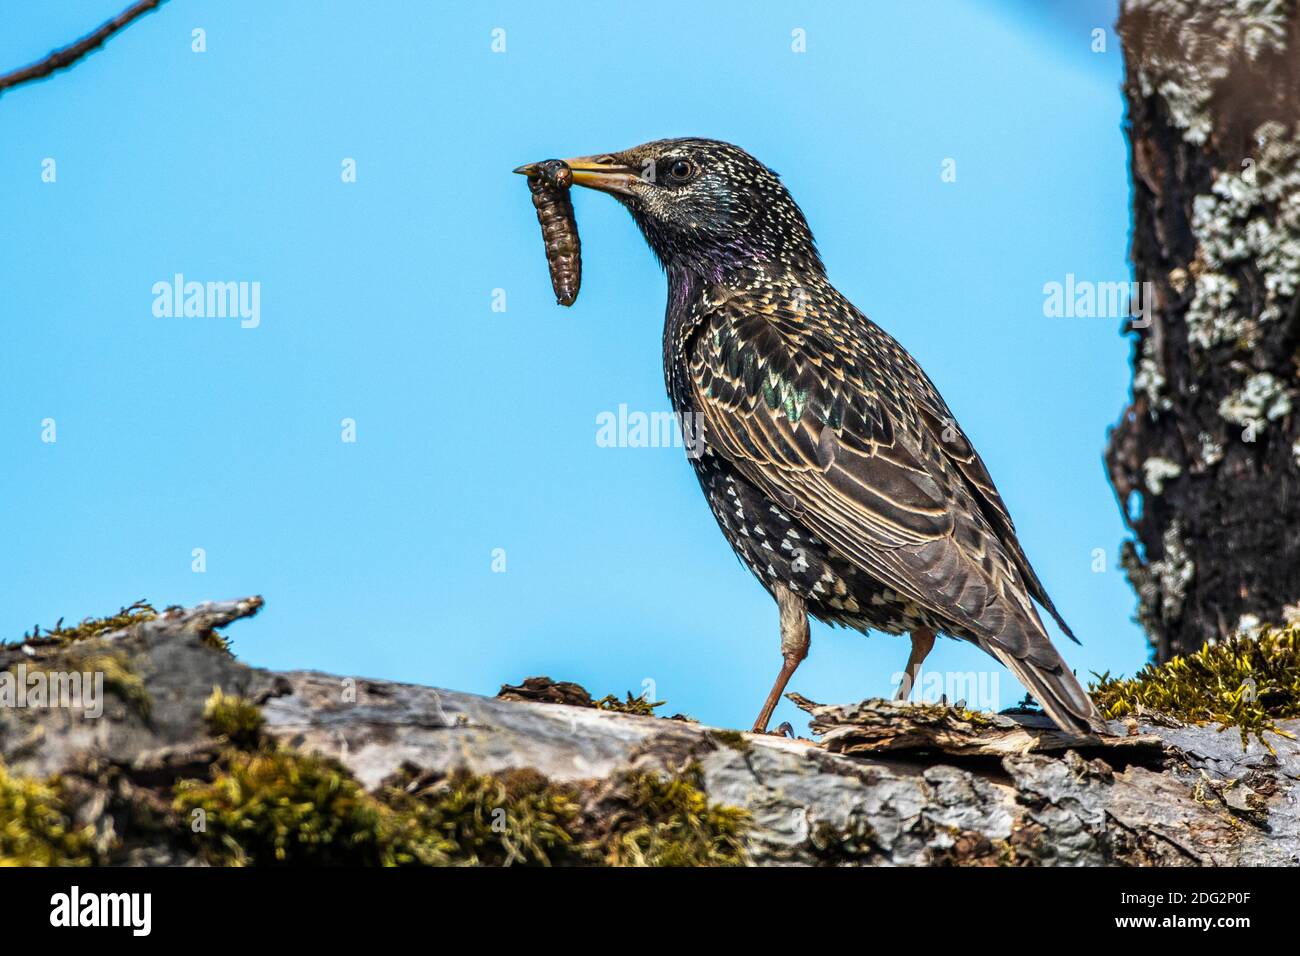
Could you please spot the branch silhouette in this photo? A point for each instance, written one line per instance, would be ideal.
(66, 56)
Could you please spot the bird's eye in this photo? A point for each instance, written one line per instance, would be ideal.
(681, 170)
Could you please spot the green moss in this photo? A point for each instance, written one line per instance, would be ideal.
(851, 845)
(272, 805)
(35, 828)
(731, 738)
(276, 806)
(543, 690)
(269, 804)
(669, 821)
(516, 817)
(119, 677)
(214, 640)
(95, 626)
(633, 705)
(234, 718)
(639, 819)
(1243, 682)
(946, 714)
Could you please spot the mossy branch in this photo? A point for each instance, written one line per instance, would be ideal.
(1246, 681)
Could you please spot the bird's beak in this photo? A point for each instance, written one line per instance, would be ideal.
(596, 172)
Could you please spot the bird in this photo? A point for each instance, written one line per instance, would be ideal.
(833, 466)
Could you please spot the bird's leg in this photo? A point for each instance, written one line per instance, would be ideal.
(922, 641)
(794, 648)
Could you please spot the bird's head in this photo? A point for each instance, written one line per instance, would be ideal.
(704, 205)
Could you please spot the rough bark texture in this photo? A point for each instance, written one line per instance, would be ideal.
(1206, 459)
(889, 784)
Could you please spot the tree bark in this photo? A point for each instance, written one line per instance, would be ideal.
(888, 783)
(1206, 458)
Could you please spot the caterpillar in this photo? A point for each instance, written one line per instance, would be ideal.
(549, 182)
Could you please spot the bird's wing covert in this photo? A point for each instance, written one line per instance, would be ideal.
(959, 450)
(821, 428)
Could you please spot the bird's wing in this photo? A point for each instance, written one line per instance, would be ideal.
(957, 447)
(819, 424)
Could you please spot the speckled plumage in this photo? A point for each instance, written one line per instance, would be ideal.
(832, 464)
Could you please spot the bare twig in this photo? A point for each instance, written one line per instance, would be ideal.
(68, 55)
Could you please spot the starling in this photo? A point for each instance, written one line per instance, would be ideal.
(833, 466)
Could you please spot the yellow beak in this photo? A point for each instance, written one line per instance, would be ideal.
(596, 172)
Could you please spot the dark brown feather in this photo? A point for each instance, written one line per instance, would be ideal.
(904, 502)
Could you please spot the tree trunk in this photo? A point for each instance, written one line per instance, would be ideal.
(1206, 459)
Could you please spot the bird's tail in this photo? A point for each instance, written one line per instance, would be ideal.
(1046, 675)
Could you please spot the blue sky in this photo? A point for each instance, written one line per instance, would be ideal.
(476, 429)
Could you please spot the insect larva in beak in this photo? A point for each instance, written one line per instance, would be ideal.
(550, 189)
